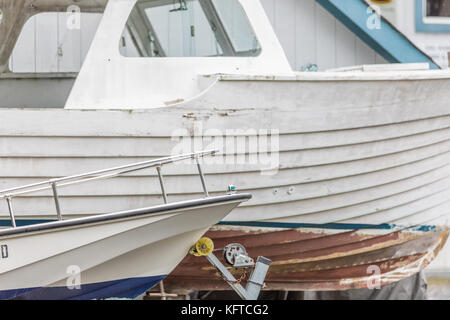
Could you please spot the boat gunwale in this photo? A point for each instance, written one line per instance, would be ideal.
(111, 217)
(295, 76)
(321, 76)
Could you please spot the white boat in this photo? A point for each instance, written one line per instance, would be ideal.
(115, 255)
(357, 173)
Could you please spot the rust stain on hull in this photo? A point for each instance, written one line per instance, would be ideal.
(305, 260)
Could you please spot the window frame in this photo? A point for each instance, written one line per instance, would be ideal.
(222, 34)
(429, 24)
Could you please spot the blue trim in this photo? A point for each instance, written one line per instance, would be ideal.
(124, 288)
(421, 26)
(387, 41)
(24, 222)
(334, 226)
(283, 225)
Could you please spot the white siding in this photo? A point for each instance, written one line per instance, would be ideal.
(307, 32)
(346, 52)
(46, 44)
(24, 55)
(69, 48)
(325, 39)
(305, 29)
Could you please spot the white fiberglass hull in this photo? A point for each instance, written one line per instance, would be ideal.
(116, 255)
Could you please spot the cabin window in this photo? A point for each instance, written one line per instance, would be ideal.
(188, 28)
(433, 15)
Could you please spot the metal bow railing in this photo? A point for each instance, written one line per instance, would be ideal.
(54, 184)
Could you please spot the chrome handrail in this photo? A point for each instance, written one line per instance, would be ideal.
(10, 193)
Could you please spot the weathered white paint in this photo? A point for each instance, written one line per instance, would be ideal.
(381, 148)
(437, 45)
(368, 147)
(24, 54)
(108, 80)
(140, 76)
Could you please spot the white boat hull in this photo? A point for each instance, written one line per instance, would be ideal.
(356, 151)
(108, 257)
(365, 160)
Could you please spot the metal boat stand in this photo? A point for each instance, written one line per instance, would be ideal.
(236, 256)
(162, 293)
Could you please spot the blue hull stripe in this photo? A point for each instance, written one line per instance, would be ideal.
(124, 288)
(335, 226)
(282, 225)
(23, 222)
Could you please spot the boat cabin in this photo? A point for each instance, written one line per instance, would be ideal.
(165, 52)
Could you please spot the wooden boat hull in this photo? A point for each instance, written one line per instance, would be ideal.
(372, 160)
(317, 260)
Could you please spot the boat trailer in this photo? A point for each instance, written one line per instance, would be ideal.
(236, 256)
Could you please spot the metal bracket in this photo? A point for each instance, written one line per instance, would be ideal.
(256, 280)
(236, 256)
(182, 7)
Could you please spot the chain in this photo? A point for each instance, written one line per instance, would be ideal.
(243, 276)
